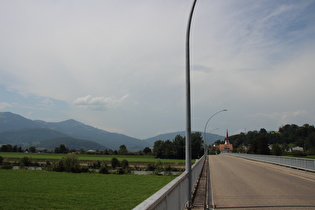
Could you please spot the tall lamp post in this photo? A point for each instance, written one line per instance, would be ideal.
(205, 142)
(188, 113)
(204, 133)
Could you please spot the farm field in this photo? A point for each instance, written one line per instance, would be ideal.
(131, 158)
(27, 189)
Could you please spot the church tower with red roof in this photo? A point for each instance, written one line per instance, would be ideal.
(227, 146)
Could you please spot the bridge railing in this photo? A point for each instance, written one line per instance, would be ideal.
(299, 163)
(174, 194)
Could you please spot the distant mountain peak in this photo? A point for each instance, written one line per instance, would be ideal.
(72, 121)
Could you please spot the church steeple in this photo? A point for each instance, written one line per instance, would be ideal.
(227, 138)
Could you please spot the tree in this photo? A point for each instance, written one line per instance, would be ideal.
(263, 147)
(259, 146)
(122, 150)
(115, 163)
(179, 147)
(311, 142)
(68, 164)
(71, 164)
(168, 149)
(276, 150)
(103, 169)
(25, 161)
(6, 148)
(214, 150)
(176, 148)
(147, 150)
(158, 149)
(82, 151)
(61, 149)
(217, 142)
(20, 149)
(32, 149)
(125, 166)
(253, 149)
(15, 148)
(197, 149)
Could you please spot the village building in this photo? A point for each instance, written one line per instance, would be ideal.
(226, 147)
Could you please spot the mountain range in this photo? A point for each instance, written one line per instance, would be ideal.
(18, 130)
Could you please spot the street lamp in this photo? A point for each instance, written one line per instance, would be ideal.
(188, 113)
(204, 133)
(205, 142)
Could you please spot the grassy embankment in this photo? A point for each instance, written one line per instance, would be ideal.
(26, 189)
(306, 156)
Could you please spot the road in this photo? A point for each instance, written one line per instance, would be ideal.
(243, 184)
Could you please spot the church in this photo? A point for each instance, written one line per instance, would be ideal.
(226, 147)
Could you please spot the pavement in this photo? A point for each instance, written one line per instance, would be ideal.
(239, 183)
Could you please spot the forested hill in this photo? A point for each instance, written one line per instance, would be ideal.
(15, 129)
(286, 137)
(210, 138)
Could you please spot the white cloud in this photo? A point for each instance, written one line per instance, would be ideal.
(99, 103)
(4, 105)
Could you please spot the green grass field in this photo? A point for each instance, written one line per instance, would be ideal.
(131, 158)
(311, 156)
(26, 189)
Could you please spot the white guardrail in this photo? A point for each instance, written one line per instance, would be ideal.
(174, 194)
(299, 163)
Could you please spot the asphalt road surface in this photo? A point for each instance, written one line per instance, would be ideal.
(243, 184)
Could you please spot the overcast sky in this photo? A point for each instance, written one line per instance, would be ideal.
(120, 65)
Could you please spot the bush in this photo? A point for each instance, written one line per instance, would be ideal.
(6, 166)
(158, 168)
(120, 170)
(276, 150)
(25, 161)
(59, 167)
(48, 166)
(115, 163)
(124, 164)
(71, 164)
(1, 159)
(68, 164)
(298, 153)
(104, 169)
(150, 167)
(168, 170)
(85, 169)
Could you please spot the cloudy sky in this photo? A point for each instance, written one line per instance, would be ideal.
(120, 65)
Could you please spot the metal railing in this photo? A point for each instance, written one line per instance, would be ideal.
(299, 163)
(174, 194)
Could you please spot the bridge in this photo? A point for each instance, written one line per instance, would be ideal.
(237, 182)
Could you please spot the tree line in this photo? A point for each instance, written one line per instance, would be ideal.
(168, 149)
(63, 149)
(275, 142)
(175, 149)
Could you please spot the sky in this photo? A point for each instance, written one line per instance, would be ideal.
(120, 65)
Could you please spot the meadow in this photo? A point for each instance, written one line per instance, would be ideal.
(130, 158)
(27, 189)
